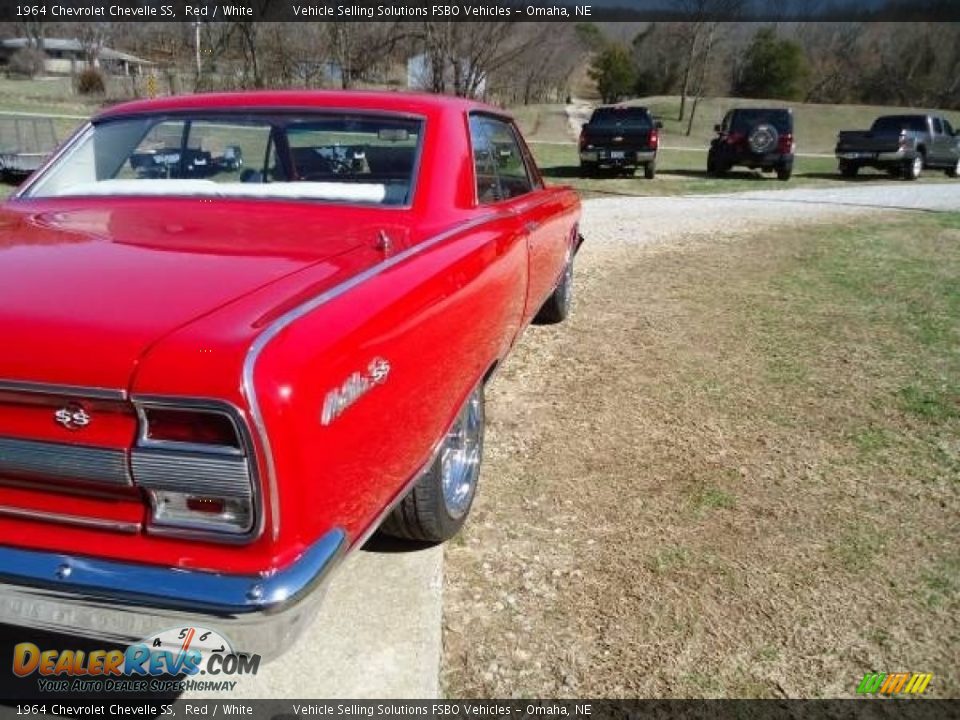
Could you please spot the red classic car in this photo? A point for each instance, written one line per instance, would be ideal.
(241, 332)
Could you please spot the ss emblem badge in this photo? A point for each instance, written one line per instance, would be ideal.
(72, 417)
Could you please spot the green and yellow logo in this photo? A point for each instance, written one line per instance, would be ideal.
(894, 683)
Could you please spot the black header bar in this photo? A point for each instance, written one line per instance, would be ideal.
(477, 10)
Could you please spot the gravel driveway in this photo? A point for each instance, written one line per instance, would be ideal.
(654, 219)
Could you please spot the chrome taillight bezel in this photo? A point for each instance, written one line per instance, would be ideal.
(246, 452)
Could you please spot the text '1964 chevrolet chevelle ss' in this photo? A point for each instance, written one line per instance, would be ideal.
(243, 331)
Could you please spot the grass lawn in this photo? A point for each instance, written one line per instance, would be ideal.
(683, 172)
(734, 472)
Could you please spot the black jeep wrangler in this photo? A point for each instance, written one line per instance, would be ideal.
(756, 138)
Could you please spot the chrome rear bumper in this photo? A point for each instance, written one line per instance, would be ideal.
(124, 602)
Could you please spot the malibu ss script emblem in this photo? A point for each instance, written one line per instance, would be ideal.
(72, 417)
(353, 388)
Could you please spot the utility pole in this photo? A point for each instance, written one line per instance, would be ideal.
(196, 44)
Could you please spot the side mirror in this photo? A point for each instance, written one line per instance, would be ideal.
(716, 128)
(584, 126)
(659, 125)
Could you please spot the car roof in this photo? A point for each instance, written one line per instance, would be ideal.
(389, 101)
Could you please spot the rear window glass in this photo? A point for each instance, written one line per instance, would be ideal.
(744, 120)
(328, 157)
(896, 123)
(622, 117)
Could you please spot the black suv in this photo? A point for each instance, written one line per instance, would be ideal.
(756, 138)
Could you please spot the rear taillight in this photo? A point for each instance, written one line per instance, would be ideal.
(654, 139)
(785, 144)
(735, 138)
(197, 468)
(189, 426)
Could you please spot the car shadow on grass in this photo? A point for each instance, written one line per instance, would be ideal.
(560, 171)
(860, 177)
(750, 175)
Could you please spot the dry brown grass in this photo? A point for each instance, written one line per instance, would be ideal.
(734, 472)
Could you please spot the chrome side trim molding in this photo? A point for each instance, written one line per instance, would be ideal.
(73, 391)
(281, 323)
(59, 460)
(120, 526)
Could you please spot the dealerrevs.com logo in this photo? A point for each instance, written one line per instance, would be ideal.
(169, 661)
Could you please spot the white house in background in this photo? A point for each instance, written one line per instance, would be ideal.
(420, 75)
(68, 56)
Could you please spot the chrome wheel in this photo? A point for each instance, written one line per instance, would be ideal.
(917, 167)
(460, 457)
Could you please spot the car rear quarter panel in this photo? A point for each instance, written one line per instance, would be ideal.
(441, 318)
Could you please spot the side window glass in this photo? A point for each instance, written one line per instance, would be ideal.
(484, 163)
(500, 166)
(937, 126)
(947, 127)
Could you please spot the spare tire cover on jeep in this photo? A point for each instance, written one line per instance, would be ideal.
(763, 138)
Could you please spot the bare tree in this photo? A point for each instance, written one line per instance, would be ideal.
(92, 37)
(461, 56)
(700, 16)
(358, 48)
(704, 62)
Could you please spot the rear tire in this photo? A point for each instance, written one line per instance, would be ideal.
(557, 307)
(438, 505)
(849, 169)
(715, 167)
(913, 169)
(588, 169)
(784, 172)
(650, 170)
(954, 171)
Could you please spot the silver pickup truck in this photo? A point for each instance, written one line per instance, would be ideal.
(903, 145)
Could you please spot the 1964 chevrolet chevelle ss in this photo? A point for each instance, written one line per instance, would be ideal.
(243, 331)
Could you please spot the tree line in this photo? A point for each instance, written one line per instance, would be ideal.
(503, 61)
(909, 64)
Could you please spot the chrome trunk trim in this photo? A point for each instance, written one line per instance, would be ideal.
(72, 391)
(37, 458)
(120, 526)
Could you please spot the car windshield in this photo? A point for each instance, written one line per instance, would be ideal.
(745, 120)
(331, 157)
(896, 123)
(632, 118)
